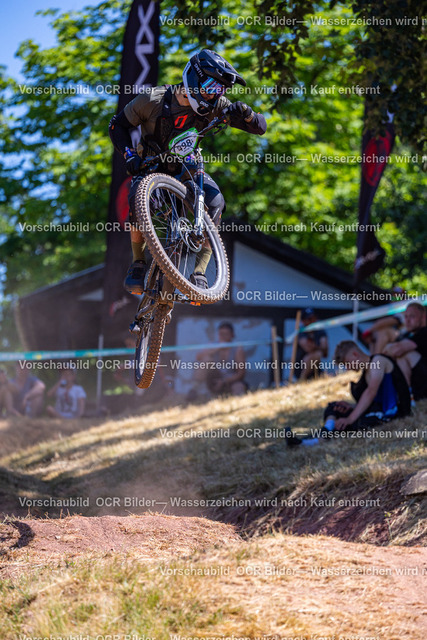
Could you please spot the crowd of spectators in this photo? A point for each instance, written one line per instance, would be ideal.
(24, 394)
(394, 375)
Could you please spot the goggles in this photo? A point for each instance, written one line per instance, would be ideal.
(213, 87)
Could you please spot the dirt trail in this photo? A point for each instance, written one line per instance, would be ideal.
(317, 583)
(152, 536)
(317, 580)
(354, 590)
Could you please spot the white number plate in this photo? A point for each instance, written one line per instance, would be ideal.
(184, 144)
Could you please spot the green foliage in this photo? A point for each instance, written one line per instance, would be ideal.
(385, 49)
(303, 125)
(392, 56)
(56, 154)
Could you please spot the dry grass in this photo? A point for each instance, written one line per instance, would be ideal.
(244, 466)
(270, 584)
(277, 585)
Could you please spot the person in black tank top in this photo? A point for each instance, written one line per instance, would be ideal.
(411, 349)
(381, 394)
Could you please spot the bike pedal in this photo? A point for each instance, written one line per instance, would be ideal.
(134, 327)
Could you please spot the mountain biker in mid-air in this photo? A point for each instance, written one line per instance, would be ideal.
(163, 113)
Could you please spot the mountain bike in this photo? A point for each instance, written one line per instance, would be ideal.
(174, 222)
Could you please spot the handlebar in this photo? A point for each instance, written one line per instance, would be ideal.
(220, 122)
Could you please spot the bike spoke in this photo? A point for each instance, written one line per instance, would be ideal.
(171, 218)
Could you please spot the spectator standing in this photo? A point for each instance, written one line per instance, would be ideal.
(312, 347)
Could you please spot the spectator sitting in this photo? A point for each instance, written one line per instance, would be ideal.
(6, 398)
(312, 347)
(381, 394)
(411, 349)
(414, 368)
(382, 332)
(70, 397)
(415, 336)
(224, 372)
(27, 392)
(385, 330)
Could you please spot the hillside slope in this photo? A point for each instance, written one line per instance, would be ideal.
(226, 460)
(219, 560)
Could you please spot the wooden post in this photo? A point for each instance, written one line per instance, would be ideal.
(355, 310)
(99, 374)
(275, 354)
(295, 345)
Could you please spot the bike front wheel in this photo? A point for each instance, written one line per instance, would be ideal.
(166, 220)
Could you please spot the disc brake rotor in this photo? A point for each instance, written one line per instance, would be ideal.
(187, 234)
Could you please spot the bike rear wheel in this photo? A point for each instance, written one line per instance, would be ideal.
(166, 220)
(149, 344)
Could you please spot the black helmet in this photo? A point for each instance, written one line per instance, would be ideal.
(208, 71)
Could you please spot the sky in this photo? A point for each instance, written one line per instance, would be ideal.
(19, 23)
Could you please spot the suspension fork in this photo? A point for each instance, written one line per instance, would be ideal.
(199, 178)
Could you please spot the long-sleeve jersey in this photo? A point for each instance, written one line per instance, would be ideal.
(147, 107)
